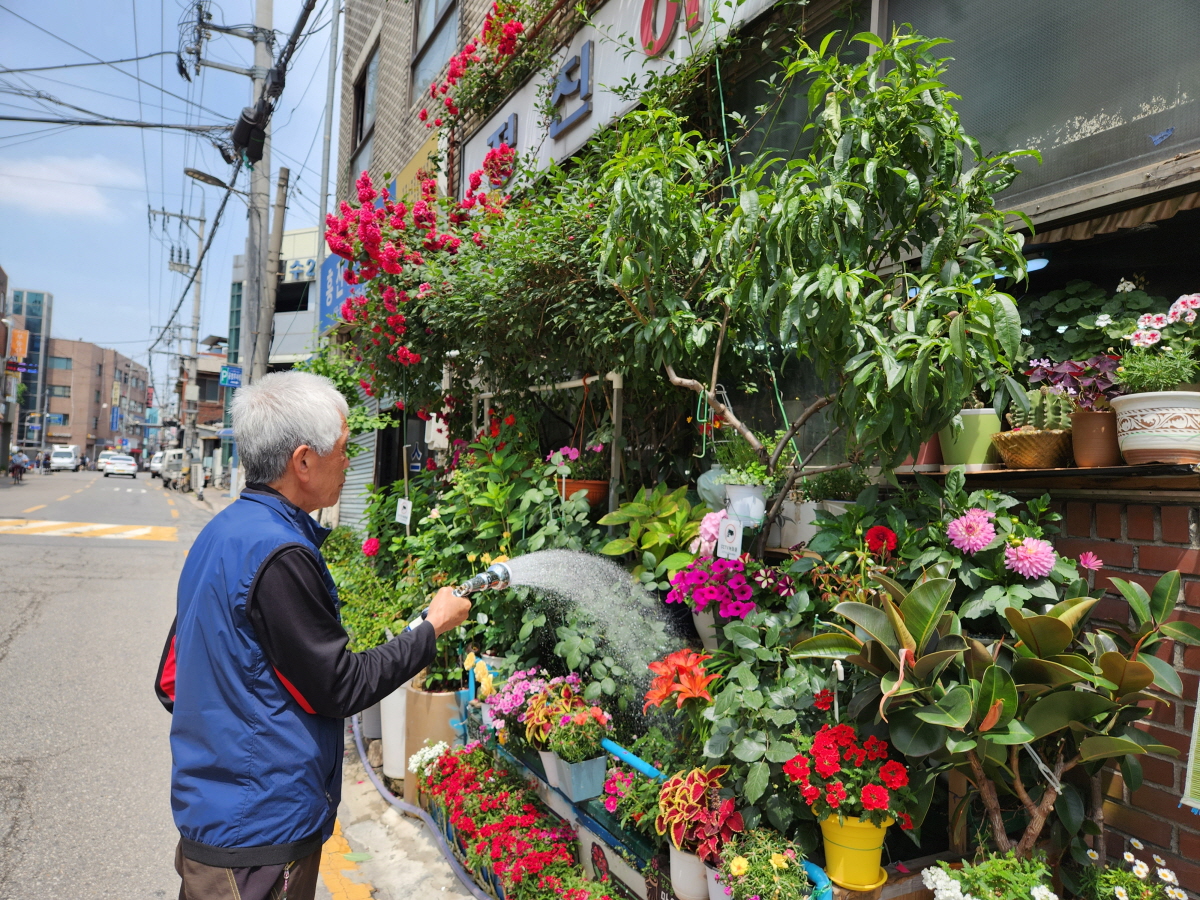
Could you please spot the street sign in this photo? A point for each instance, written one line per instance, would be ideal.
(20, 343)
(54, 418)
(231, 376)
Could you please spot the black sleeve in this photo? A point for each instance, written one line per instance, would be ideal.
(296, 623)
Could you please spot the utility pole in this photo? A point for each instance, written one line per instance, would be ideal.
(190, 407)
(327, 138)
(262, 345)
(260, 175)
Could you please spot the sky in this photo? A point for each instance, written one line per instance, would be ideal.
(74, 201)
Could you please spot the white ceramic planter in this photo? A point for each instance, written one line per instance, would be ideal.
(795, 525)
(706, 627)
(550, 765)
(393, 721)
(716, 891)
(1159, 426)
(747, 502)
(689, 878)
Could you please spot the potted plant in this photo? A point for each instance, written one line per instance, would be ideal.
(718, 828)
(1155, 421)
(709, 586)
(580, 760)
(542, 711)
(682, 675)
(855, 791)
(432, 702)
(1004, 877)
(1092, 385)
(746, 492)
(971, 444)
(683, 808)
(1041, 435)
(763, 863)
(578, 470)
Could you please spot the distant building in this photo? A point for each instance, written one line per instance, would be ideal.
(294, 336)
(35, 310)
(211, 394)
(96, 398)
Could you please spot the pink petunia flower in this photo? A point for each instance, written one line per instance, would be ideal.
(1032, 558)
(1090, 561)
(972, 531)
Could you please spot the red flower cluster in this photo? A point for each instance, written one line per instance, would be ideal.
(840, 776)
(823, 700)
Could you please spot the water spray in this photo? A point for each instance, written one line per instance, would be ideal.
(495, 577)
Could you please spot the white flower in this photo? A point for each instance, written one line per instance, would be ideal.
(1124, 287)
(421, 762)
(1144, 321)
(1129, 857)
(1103, 320)
(1140, 869)
(1062, 329)
(1136, 844)
(1158, 860)
(1120, 894)
(1093, 855)
(1168, 876)
(1041, 892)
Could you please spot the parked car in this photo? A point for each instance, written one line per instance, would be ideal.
(156, 462)
(120, 465)
(103, 458)
(64, 459)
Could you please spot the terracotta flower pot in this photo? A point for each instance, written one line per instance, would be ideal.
(597, 490)
(427, 718)
(1094, 438)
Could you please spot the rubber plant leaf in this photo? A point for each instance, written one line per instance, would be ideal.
(1044, 671)
(1045, 636)
(1073, 611)
(906, 638)
(1128, 675)
(953, 710)
(1056, 711)
(827, 646)
(923, 608)
(1106, 747)
(1139, 600)
(996, 686)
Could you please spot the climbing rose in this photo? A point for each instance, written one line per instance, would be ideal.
(1032, 558)
(370, 546)
(880, 537)
(973, 531)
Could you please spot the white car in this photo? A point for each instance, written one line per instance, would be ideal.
(156, 462)
(103, 458)
(64, 459)
(120, 465)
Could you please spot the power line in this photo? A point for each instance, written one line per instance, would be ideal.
(102, 62)
(118, 123)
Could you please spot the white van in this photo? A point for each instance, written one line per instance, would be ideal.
(64, 460)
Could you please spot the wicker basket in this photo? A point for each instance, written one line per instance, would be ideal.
(1032, 449)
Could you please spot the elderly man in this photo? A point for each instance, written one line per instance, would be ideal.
(256, 669)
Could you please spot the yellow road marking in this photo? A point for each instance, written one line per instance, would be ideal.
(80, 491)
(47, 528)
(335, 867)
(170, 502)
(64, 497)
(34, 508)
(174, 514)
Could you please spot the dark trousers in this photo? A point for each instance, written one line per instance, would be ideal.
(295, 881)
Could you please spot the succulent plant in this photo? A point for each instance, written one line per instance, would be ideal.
(1048, 411)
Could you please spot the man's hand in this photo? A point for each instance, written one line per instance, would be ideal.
(447, 611)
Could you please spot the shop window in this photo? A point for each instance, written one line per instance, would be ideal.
(435, 39)
(60, 362)
(365, 92)
(210, 389)
(292, 296)
(59, 390)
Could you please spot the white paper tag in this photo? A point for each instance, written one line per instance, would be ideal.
(404, 511)
(729, 541)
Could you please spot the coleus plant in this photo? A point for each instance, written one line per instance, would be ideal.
(683, 805)
(1071, 697)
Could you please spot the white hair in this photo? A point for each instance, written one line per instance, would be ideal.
(281, 412)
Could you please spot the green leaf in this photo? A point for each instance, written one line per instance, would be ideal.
(913, 737)
(872, 620)
(749, 750)
(1045, 636)
(717, 745)
(1070, 808)
(618, 547)
(1131, 769)
(1166, 592)
(1006, 324)
(1043, 671)
(1106, 747)
(953, 710)
(996, 685)
(1128, 675)
(1139, 600)
(358, 857)
(833, 645)
(677, 561)
(1013, 733)
(1165, 676)
(780, 751)
(756, 781)
(1184, 632)
(1073, 611)
(1054, 712)
(923, 608)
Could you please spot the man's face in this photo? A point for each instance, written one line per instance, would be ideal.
(329, 472)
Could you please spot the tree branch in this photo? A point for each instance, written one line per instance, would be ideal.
(712, 382)
(991, 803)
(718, 407)
(815, 407)
(1097, 817)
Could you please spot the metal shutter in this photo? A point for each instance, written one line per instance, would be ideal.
(360, 476)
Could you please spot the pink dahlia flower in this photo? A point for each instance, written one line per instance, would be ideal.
(1089, 560)
(370, 546)
(972, 531)
(1032, 558)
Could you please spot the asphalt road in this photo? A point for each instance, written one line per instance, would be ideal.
(88, 568)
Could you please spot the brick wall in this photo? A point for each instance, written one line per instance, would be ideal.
(1138, 542)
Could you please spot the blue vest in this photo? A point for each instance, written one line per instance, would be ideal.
(251, 768)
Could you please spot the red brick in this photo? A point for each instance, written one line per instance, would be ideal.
(1175, 524)
(1191, 658)
(1108, 521)
(1103, 576)
(1110, 607)
(1079, 519)
(1191, 593)
(1189, 843)
(1187, 871)
(1159, 771)
(1164, 559)
(1162, 714)
(1135, 822)
(1139, 523)
(1111, 553)
(1171, 738)
(1164, 805)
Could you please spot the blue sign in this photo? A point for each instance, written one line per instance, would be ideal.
(302, 269)
(231, 376)
(115, 419)
(54, 418)
(333, 291)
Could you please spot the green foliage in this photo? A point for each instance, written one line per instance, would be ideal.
(839, 484)
(763, 863)
(1096, 883)
(579, 739)
(1092, 321)
(662, 523)
(1048, 411)
(1145, 370)
(1002, 877)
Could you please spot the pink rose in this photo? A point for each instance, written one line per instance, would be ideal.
(370, 546)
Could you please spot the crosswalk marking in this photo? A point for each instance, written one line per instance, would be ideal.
(49, 528)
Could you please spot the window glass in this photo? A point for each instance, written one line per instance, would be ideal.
(60, 362)
(59, 390)
(33, 304)
(361, 160)
(364, 98)
(434, 56)
(19, 302)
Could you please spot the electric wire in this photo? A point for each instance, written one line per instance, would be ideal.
(119, 123)
(102, 62)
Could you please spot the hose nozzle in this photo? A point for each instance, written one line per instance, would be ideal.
(496, 577)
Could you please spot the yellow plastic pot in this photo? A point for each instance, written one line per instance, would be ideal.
(852, 852)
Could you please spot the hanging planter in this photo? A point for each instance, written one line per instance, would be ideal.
(748, 502)
(582, 780)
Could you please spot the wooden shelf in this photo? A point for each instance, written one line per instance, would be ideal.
(1153, 477)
